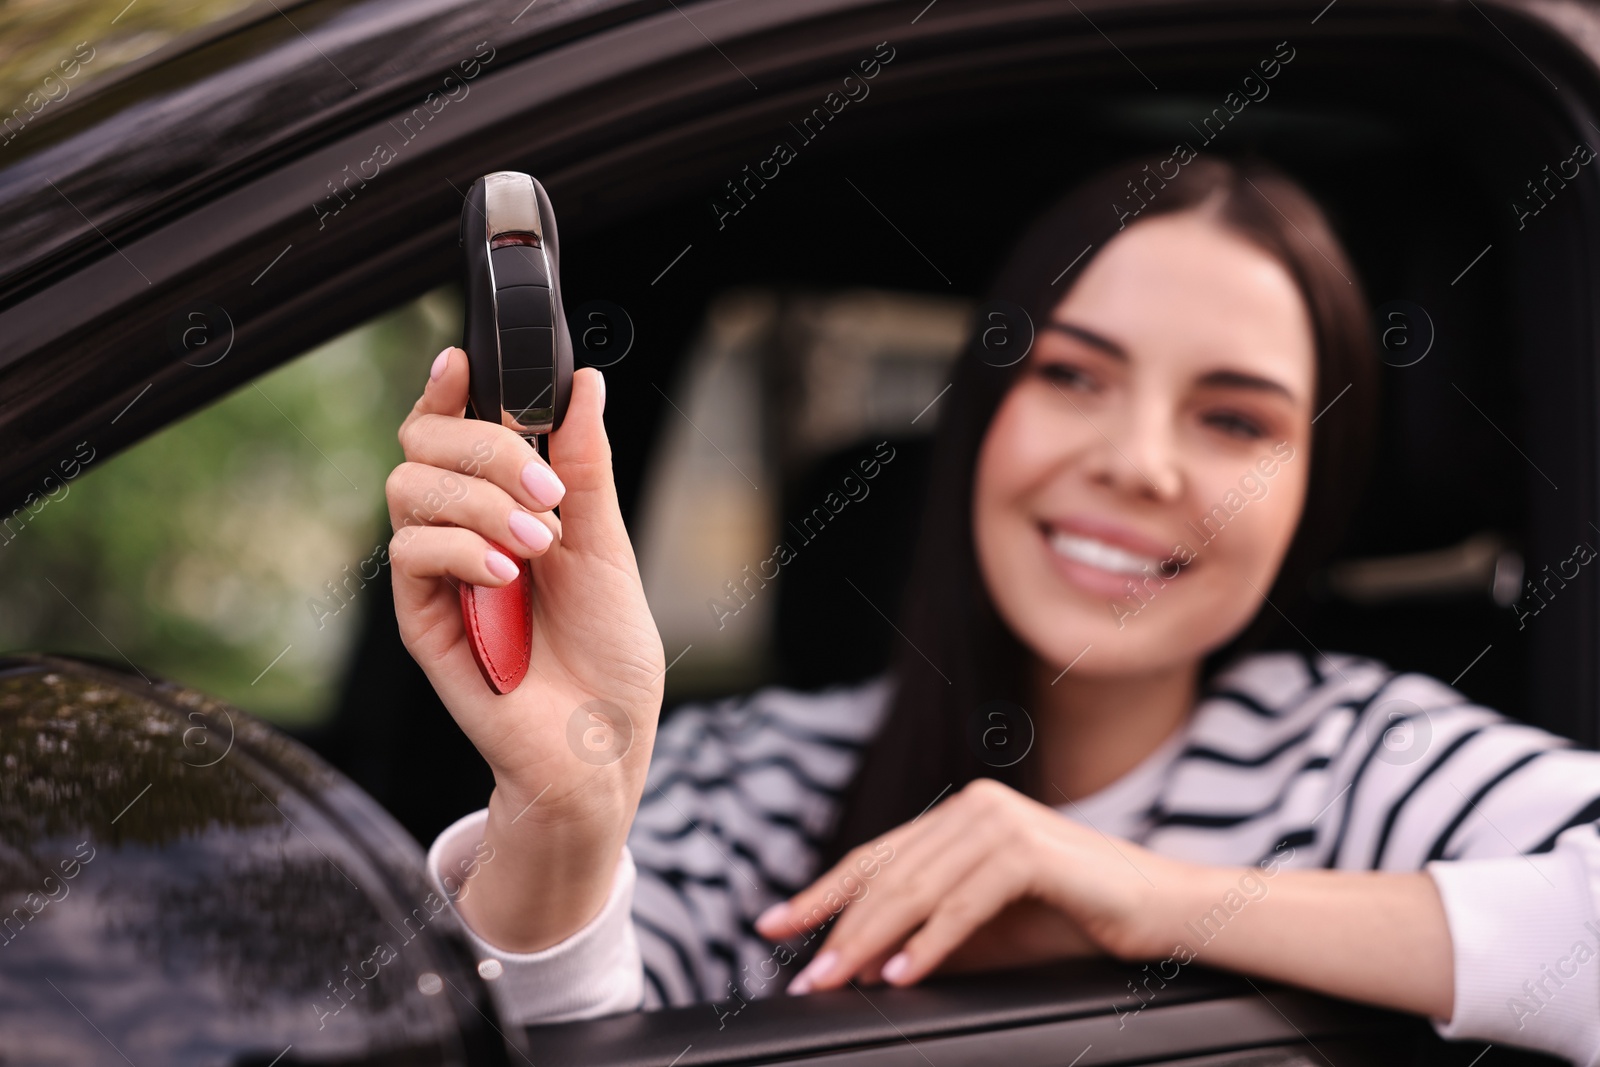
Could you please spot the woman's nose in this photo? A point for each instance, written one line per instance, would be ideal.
(1138, 455)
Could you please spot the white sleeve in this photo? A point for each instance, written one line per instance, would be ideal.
(596, 971)
(1526, 936)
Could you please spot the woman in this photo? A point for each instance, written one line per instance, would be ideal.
(1113, 520)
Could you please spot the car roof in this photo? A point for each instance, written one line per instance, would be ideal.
(232, 100)
(168, 145)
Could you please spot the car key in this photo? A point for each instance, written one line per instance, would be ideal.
(519, 355)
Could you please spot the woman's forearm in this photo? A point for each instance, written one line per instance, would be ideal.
(1377, 937)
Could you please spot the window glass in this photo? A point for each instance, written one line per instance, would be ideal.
(230, 551)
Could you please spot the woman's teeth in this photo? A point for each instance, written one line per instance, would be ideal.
(1099, 554)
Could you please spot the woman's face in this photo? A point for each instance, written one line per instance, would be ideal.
(1141, 481)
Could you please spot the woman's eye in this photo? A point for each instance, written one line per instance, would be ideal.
(1235, 425)
(1067, 376)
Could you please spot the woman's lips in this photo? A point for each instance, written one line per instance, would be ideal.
(1110, 532)
(1104, 563)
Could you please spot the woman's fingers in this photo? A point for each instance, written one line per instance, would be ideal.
(955, 869)
(825, 897)
(578, 477)
(581, 455)
(434, 434)
(423, 495)
(976, 899)
(908, 845)
(903, 899)
(484, 450)
(431, 552)
(446, 390)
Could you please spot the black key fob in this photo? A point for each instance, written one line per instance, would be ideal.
(516, 335)
(520, 359)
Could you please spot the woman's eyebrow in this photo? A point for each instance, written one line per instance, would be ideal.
(1220, 379)
(1232, 379)
(1089, 337)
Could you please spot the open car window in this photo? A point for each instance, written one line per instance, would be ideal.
(234, 548)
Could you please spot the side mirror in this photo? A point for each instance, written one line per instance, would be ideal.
(181, 883)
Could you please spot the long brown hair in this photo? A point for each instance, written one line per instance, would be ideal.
(946, 615)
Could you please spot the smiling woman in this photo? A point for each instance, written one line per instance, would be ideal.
(1218, 341)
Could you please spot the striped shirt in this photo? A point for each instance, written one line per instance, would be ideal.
(1337, 762)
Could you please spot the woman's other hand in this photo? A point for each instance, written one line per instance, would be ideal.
(987, 878)
(569, 746)
(992, 878)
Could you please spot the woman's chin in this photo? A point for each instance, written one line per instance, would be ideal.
(1106, 637)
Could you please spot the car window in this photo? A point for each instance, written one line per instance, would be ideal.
(231, 550)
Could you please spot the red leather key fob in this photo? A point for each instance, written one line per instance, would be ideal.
(499, 625)
(520, 356)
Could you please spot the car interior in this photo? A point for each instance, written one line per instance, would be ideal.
(773, 332)
(1477, 434)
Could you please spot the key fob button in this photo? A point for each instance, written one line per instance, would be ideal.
(526, 390)
(528, 348)
(518, 265)
(522, 306)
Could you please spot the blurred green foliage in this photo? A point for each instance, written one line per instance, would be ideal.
(36, 35)
(198, 553)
